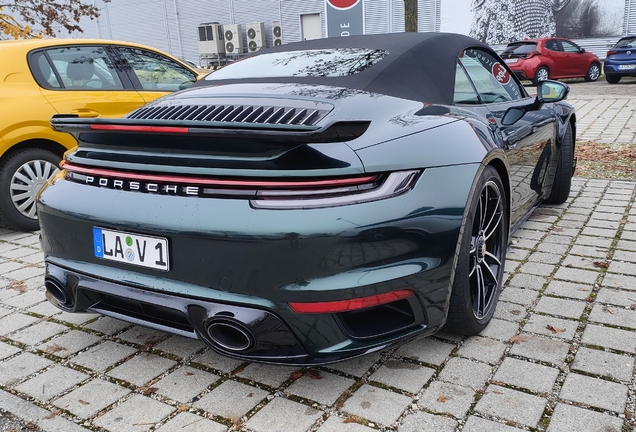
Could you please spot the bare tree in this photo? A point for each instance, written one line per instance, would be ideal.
(410, 15)
(34, 18)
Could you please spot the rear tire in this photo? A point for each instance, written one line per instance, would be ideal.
(22, 175)
(593, 72)
(482, 254)
(540, 75)
(564, 171)
(612, 79)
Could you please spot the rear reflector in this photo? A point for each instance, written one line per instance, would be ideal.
(349, 305)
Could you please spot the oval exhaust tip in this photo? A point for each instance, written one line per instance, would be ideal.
(230, 335)
(57, 291)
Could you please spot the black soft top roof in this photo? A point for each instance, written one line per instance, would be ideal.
(420, 66)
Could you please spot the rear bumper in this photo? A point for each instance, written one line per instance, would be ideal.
(613, 68)
(235, 269)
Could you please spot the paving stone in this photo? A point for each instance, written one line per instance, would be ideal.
(599, 232)
(603, 363)
(231, 400)
(188, 422)
(589, 251)
(613, 316)
(427, 350)
(500, 330)
(619, 281)
(69, 343)
(337, 424)
(626, 245)
(447, 398)
(184, 383)
(5, 311)
(466, 373)
(135, 414)
(7, 350)
(578, 291)
(142, 368)
(551, 248)
(283, 415)
(9, 266)
(11, 323)
(571, 418)
(270, 375)
(551, 326)
(91, 398)
(216, 361)
(21, 366)
(601, 223)
(616, 339)
(560, 307)
(319, 386)
(357, 366)
(601, 242)
(512, 405)
(76, 318)
(104, 355)
(588, 263)
(528, 281)
(616, 297)
(478, 424)
(595, 392)
(25, 273)
(545, 258)
(561, 239)
(143, 336)
(527, 234)
(180, 346)
(535, 268)
(38, 332)
(510, 311)
(423, 421)
(46, 309)
(108, 325)
(376, 404)
(25, 300)
(403, 375)
(524, 243)
(51, 382)
(45, 420)
(576, 275)
(519, 373)
(540, 348)
(482, 349)
(628, 256)
(520, 296)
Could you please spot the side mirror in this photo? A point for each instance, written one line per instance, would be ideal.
(552, 91)
(185, 85)
(512, 116)
(581, 50)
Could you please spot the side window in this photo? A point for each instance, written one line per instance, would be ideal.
(464, 91)
(78, 68)
(569, 46)
(155, 71)
(552, 45)
(493, 81)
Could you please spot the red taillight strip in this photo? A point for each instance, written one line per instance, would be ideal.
(349, 305)
(132, 128)
(98, 172)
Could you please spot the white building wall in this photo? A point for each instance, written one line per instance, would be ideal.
(290, 12)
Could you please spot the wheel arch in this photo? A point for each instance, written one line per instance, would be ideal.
(44, 144)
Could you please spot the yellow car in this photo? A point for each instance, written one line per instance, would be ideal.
(88, 78)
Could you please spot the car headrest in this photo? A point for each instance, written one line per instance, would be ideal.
(45, 68)
(80, 70)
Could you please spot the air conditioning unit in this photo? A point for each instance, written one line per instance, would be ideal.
(255, 36)
(277, 33)
(211, 39)
(233, 34)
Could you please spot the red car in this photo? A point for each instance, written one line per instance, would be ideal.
(551, 58)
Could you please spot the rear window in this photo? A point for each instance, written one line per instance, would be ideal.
(626, 43)
(312, 63)
(523, 48)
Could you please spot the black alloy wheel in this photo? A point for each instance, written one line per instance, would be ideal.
(480, 265)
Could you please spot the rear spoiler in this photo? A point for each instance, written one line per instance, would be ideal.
(338, 131)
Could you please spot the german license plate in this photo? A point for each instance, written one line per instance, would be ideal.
(129, 248)
(627, 67)
(513, 60)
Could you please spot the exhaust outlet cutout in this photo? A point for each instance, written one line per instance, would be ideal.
(230, 335)
(57, 291)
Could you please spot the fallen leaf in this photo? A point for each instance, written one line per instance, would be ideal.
(189, 373)
(52, 349)
(349, 421)
(628, 415)
(339, 405)
(182, 408)
(83, 402)
(295, 375)
(497, 392)
(589, 299)
(623, 221)
(18, 285)
(555, 329)
(150, 390)
(518, 339)
(314, 374)
(515, 312)
(582, 289)
(601, 264)
(53, 414)
(496, 382)
(569, 265)
(238, 370)
(30, 425)
(557, 229)
(442, 399)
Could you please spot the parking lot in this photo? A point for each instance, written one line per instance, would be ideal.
(559, 355)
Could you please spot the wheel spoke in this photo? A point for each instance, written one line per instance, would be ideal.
(494, 258)
(490, 272)
(26, 203)
(494, 221)
(23, 178)
(480, 295)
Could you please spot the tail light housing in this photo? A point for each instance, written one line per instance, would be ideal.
(611, 52)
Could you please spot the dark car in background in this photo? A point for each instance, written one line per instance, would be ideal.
(313, 202)
(621, 60)
(551, 58)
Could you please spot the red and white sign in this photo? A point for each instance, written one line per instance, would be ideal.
(500, 72)
(343, 4)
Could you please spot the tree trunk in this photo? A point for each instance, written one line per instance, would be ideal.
(410, 15)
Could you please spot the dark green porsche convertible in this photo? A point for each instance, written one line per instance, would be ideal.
(314, 202)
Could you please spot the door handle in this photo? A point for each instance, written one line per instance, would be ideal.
(85, 113)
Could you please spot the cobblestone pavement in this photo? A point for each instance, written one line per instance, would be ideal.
(558, 356)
